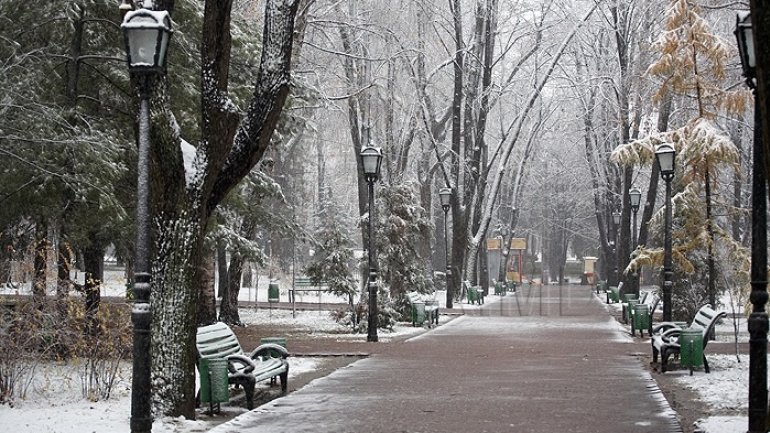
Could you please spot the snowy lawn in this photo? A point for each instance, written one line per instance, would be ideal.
(54, 402)
(724, 390)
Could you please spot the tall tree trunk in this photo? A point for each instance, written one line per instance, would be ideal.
(40, 270)
(664, 112)
(93, 267)
(207, 305)
(232, 143)
(228, 310)
(221, 269)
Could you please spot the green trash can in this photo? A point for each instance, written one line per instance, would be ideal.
(691, 348)
(641, 319)
(214, 386)
(273, 294)
(418, 313)
(628, 309)
(281, 341)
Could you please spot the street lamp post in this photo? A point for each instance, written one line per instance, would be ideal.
(445, 194)
(146, 33)
(665, 154)
(635, 196)
(616, 226)
(758, 321)
(371, 158)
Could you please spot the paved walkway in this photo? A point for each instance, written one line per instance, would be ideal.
(546, 359)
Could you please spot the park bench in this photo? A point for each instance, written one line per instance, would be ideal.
(474, 293)
(601, 285)
(306, 284)
(629, 300)
(613, 293)
(501, 288)
(666, 336)
(422, 308)
(218, 341)
(511, 286)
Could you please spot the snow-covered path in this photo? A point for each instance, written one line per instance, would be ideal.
(545, 359)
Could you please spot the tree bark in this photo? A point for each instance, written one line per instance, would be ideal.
(228, 310)
(93, 267)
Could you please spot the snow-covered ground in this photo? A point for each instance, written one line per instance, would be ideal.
(55, 402)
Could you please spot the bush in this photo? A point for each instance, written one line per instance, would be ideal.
(38, 332)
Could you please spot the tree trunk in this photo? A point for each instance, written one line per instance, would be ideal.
(207, 306)
(93, 267)
(231, 145)
(40, 270)
(664, 113)
(228, 307)
(221, 269)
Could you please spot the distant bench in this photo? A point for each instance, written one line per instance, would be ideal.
(422, 308)
(306, 284)
(474, 293)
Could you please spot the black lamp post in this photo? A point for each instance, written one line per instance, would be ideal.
(665, 154)
(445, 194)
(147, 33)
(371, 158)
(758, 322)
(635, 196)
(616, 227)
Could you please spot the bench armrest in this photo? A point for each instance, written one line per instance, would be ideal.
(240, 364)
(665, 326)
(264, 351)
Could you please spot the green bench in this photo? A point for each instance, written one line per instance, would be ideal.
(474, 294)
(218, 341)
(501, 288)
(613, 294)
(669, 338)
(601, 285)
(422, 308)
(306, 284)
(511, 286)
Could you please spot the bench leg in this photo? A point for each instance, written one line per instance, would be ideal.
(248, 388)
(705, 365)
(663, 359)
(654, 353)
(285, 380)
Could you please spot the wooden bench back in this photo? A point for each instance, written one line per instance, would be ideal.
(654, 304)
(217, 341)
(705, 320)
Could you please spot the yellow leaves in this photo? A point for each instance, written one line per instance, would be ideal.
(692, 57)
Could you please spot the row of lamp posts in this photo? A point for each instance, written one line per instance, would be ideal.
(147, 35)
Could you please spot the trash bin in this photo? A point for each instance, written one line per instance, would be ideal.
(641, 320)
(499, 288)
(281, 341)
(214, 386)
(691, 348)
(273, 294)
(418, 313)
(628, 309)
